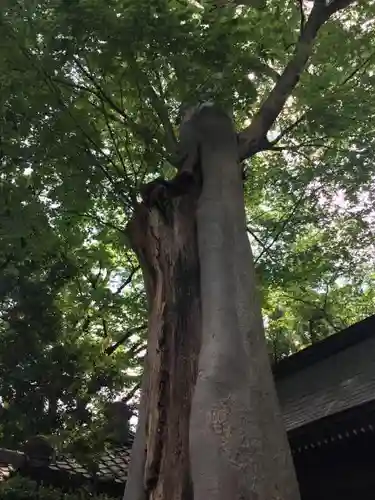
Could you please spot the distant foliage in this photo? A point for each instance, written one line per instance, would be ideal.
(20, 488)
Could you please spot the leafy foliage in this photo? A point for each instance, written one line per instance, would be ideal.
(20, 488)
(91, 95)
(59, 365)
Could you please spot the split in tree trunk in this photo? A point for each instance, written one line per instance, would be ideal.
(166, 244)
(210, 427)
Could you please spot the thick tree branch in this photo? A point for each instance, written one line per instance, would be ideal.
(304, 115)
(336, 5)
(253, 138)
(111, 349)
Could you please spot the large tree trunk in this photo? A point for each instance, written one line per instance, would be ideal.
(210, 427)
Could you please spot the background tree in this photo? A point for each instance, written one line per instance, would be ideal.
(20, 488)
(96, 120)
(59, 364)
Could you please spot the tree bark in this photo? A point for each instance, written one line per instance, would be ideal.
(238, 444)
(210, 427)
(165, 241)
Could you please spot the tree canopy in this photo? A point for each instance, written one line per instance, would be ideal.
(91, 94)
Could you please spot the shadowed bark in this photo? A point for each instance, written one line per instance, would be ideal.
(164, 238)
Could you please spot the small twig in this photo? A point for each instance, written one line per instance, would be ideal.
(137, 129)
(132, 393)
(288, 129)
(127, 281)
(283, 226)
(141, 346)
(97, 219)
(117, 149)
(320, 309)
(105, 330)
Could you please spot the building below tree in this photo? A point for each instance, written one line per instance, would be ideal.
(327, 395)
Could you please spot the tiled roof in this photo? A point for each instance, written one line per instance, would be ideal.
(113, 465)
(330, 384)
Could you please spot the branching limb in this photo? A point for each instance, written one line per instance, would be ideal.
(296, 148)
(158, 105)
(137, 129)
(260, 243)
(361, 66)
(324, 313)
(111, 349)
(253, 138)
(97, 219)
(140, 347)
(262, 69)
(115, 144)
(127, 198)
(288, 129)
(127, 281)
(143, 133)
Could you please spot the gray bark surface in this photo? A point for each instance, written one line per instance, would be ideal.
(238, 446)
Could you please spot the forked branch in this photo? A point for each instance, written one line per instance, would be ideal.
(253, 138)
